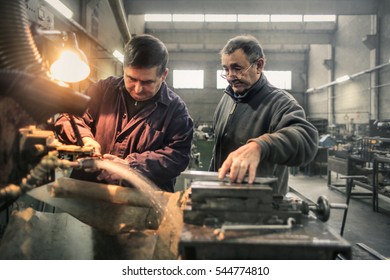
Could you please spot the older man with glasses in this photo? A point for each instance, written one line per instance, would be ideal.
(260, 130)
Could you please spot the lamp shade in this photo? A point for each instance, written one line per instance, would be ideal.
(71, 66)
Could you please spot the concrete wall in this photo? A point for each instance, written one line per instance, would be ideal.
(364, 98)
(318, 74)
(97, 19)
(384, 57)
(352, 98)
(101, 23)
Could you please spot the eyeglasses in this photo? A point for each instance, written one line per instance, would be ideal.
(239, 73)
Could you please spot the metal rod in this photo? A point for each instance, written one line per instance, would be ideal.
(371, 251)
(289, 225)
(76, 130)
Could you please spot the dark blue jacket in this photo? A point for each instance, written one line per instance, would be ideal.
(156, 141)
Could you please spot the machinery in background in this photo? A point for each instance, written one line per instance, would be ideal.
(366, 162)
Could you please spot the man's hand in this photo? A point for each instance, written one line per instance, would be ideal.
(108, 176)
(240, 162)
(90, 142)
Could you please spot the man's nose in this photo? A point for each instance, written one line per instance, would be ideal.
(138, 87)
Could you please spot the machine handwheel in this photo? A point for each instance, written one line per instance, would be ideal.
(323, 209)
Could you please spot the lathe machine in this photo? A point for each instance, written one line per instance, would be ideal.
(241, 221)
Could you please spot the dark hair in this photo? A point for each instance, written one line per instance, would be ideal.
(146, 51)
(248, 43)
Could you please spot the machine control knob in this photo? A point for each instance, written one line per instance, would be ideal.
(322, 208)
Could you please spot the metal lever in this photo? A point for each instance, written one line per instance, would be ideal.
(220, 233)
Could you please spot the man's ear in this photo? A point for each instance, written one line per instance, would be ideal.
(260, 64)
(165, 74)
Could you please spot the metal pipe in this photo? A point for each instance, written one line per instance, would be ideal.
(353, 76)
(120, 18)
(39, 96)
(17, 46)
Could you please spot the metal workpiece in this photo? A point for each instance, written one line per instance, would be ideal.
(248, 221)
(198, 175)
(235, 203)
(87, 163)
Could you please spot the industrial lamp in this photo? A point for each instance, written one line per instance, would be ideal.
(70, 65)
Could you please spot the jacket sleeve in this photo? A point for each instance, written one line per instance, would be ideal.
(167, 162)
(63, 128)
(293, 141)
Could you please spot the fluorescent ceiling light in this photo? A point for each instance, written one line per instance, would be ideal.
(286, 18)
(60, 7)
(118, 55)
(342, 79)
(253, 18)
(188, 17)
(220, 18)
(158, 17)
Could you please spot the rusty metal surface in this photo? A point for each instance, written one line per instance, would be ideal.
(311, 240)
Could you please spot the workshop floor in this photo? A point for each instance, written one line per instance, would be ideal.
(363, 227)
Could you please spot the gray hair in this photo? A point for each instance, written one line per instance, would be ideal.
(248, 43)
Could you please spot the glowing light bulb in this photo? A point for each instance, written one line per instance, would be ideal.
(70, 67)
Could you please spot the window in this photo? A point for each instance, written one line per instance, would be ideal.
(237, 18)
(158, 17)
(319, 18)
(220, 18)
(253, 18)
(188, 17)
(286, 18)
(188, 79)
(280, 79)
(221, 82)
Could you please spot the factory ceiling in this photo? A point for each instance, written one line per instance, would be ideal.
(274, 36)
